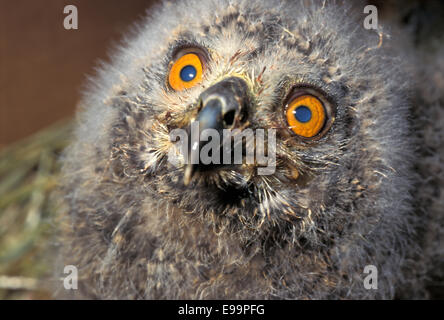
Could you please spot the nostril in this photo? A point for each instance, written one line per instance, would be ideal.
(229, 117)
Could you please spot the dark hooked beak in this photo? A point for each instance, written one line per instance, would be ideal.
(222, 106)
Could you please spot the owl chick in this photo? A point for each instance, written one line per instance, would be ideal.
(340, 197)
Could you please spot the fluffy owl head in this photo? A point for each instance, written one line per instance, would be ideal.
(332, 94)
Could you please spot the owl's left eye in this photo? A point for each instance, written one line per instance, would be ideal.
(306, 114)
(186, 71)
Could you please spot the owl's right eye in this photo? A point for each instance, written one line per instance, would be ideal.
(186, 72)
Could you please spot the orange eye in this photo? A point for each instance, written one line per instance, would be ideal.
(185, 72)
(306, 115)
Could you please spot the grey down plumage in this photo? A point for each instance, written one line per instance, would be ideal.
(369, 192)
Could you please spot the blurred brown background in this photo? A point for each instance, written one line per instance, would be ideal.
(43, 66)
